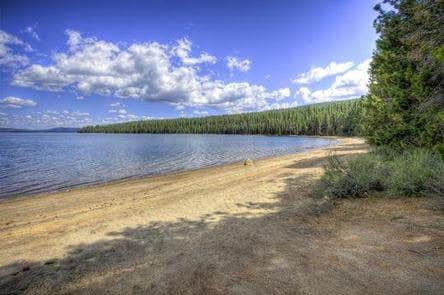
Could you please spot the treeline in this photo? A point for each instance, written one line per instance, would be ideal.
(338, 118)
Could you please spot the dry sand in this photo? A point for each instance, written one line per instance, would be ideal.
(232, 229)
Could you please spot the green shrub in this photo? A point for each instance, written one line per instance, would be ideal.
(417, 172)
(353, 178)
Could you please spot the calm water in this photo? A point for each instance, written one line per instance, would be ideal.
(38, 162)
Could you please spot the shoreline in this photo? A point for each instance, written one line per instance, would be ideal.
(68, 188)
(85, 195)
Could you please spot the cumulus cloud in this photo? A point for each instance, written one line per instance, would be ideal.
(145, 71)
(183, 50)
(319, 73)
(16, 103)
(234, 63)
(10, 46)
(351, 84)
(304, 92)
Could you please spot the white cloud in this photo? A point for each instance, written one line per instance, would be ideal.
(47, 119)
(351, 84)
(183, 50)
(9, 51)
(31, 30)
(283, 105)
(119, 111)
(233, 63)
(64, 118)
(304, 92)
(178, 107)
(15, 102)
(125, 118)
(280, 94)
(121, 115)
(200, 113)
(41, 78)
(318, 73)
(144, 71)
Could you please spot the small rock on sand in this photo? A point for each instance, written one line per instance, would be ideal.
(248, 162)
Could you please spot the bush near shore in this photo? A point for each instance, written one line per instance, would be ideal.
(411, 173)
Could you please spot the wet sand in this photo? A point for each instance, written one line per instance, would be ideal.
(231, 229)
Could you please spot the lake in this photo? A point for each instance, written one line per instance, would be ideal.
(40, 162)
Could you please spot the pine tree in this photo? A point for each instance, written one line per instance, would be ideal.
(405, 102)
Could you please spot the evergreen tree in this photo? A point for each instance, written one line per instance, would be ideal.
(405, 102)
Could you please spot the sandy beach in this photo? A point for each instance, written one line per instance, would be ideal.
(231, 229)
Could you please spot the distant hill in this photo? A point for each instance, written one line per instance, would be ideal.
(57, 129)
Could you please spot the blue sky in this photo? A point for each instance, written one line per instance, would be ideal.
(75, 63)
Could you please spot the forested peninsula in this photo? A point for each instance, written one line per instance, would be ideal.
(333, 118)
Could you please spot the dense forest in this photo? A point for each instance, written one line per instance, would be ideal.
(338, 118)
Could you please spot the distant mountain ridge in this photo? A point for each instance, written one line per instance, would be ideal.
(56, 129)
